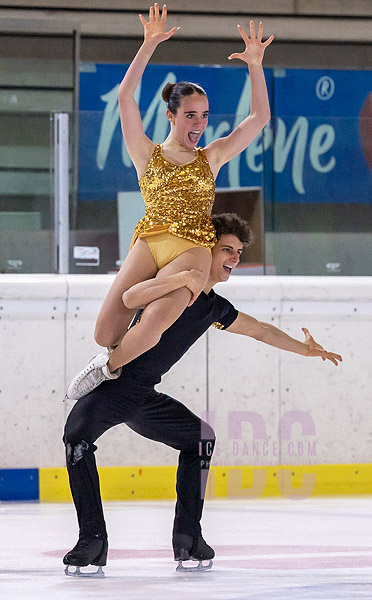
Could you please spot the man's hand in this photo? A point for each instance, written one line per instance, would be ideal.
(315, 349)
(195, 283)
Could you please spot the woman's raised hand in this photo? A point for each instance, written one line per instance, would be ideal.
(155, 27)
(254, 46)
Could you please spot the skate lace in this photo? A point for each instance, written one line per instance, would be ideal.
(84, 373)
(90, 375)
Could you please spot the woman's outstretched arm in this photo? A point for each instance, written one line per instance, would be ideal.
(139, 146)
(224, 149)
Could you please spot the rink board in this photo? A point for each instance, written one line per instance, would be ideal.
(158, 482)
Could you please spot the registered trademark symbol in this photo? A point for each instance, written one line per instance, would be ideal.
(325, 88)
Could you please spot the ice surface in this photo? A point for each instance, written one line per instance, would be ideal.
(313, 549)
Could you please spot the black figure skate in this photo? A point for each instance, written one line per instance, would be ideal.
(87, 552)
(185, 548)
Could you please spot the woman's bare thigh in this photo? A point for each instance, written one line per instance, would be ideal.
(114, 317)
(194, 258)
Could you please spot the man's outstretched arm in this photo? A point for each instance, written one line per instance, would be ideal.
(271, 335)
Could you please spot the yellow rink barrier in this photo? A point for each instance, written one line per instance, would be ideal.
(158, 482)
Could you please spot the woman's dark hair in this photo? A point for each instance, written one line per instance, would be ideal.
(173, 93)
(231, 223)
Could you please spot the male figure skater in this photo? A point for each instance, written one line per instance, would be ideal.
(132, 399)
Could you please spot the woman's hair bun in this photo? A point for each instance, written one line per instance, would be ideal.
(173, 93)
(167, 90)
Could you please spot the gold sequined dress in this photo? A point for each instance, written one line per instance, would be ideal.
(178, 199)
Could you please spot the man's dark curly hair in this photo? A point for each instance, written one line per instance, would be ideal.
(231, 223)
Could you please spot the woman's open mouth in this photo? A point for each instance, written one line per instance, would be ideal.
(194, 136)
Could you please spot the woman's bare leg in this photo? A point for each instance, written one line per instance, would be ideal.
(114, 318)
(163, 312)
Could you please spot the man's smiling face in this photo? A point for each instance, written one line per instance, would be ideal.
(225, 257)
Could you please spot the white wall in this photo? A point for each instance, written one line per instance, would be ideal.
(46, 336)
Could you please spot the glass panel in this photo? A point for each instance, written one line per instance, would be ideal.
(37, 77)
(318, 196)
(307, 195)
(25, 211)
(41, 100)
(23, 63)
(94, 239)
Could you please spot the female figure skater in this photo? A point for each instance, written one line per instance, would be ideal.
(177, 181)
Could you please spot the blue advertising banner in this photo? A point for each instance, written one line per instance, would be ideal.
(321, 147)
(316, 149)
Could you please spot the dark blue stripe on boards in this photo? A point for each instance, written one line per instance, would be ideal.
(19, 484)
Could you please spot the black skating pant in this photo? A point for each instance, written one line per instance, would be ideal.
(153, 415)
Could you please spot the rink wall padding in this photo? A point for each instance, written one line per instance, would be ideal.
(291, 416)
(19, 484)
(117, 483)
(158, 483)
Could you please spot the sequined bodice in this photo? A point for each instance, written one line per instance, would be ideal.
(178, 198)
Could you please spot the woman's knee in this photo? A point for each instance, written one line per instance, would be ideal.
(201, 260)
(102, 337)
(205, 258)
